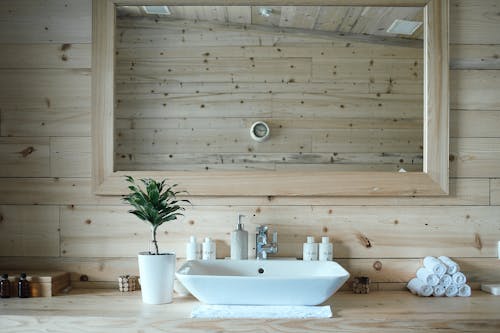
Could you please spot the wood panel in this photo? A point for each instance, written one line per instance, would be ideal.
(474, 89)
(63, 122)
(41, 55)
(24, 157)
(29, 231)
(474, 22)
(70, 157)
(474, 56)
(495, 192)
(474, 124)
(475, 157)
(387, 271)
(227, 161)
(219, 70)
(357, 232)
(64, 21)
(44, 89)
(322, 49)
(77, 191)
(52, 191)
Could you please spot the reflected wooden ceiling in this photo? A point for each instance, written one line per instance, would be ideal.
(339, 19)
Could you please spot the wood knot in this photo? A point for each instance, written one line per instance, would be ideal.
(84, 278)
(478, 244)
(27, 151)
(258, 210)
(377, 265)
(88, 221)
(452, 158)
(330, 211)
(65, 47)
(1, 218)
(364, 240)
(325, 230)
(191, 222)
(270, 198)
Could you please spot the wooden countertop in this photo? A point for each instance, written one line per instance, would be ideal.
(112, 311)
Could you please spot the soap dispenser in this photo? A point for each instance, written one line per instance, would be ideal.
(239, 241)
(310, 251)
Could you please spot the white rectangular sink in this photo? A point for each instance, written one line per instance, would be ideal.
(262, 282)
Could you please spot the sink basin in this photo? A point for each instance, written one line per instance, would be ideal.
(262, 282)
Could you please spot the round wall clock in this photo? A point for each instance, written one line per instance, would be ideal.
(259, 131)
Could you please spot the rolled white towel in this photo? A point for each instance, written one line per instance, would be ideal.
(464, 291)
(435, 266)
(439, 290)
(459, 279)
(446, 280)
(418, 287)
(451, 266)
(451, 291)
(427, 276)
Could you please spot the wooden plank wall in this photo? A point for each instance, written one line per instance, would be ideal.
(189, 91)
(49, 219)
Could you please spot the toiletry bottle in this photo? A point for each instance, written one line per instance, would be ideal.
(325, 249)
(193, 249)
(4, 286)
(23, 287)
(208, 252)
(239, 241)
(310, 250)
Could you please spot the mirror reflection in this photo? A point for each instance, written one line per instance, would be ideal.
(340, 88)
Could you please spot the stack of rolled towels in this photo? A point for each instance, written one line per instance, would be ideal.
(439, 277)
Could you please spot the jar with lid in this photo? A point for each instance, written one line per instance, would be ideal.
(4, 286)
(23, 287)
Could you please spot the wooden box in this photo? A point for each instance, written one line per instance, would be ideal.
(42, 284)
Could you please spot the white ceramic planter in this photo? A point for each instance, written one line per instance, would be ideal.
(157, 277)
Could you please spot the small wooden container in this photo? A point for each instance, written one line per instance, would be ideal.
(361, 285)
(127, 283)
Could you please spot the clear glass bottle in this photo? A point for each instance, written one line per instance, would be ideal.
(4, 286)
(23, 287)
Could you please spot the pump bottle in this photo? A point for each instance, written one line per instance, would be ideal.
(239, 241)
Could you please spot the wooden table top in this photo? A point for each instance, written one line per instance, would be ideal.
(111, 311)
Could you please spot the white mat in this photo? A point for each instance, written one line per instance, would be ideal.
(260, 311)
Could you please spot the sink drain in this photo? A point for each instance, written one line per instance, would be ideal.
(261, 270)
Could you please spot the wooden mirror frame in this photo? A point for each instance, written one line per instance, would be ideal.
(433, 181)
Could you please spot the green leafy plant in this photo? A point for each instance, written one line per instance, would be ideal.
(156, 204)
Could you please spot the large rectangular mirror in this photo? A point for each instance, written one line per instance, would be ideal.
(240, 99)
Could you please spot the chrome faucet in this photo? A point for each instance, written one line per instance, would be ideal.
(262, 245)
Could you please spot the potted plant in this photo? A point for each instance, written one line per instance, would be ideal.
(155, 203)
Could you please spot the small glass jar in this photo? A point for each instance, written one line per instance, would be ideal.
(23, 287)
(4, 286)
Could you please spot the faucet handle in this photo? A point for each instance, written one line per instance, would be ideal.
(262, 229)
